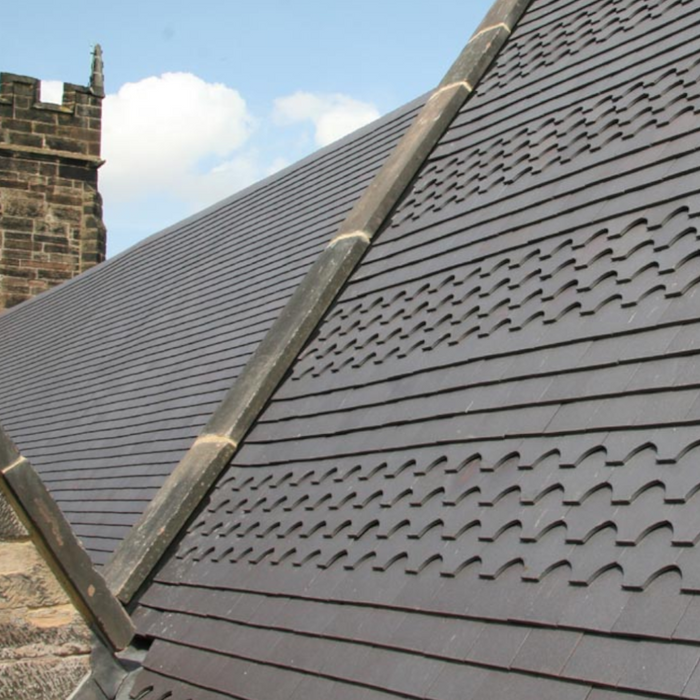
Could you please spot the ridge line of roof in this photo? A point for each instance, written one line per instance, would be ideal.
(139, 553)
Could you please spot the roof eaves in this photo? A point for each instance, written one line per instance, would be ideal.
(164, 517)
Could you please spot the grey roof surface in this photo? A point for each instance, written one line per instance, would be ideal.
(481, 479)
(105, 381)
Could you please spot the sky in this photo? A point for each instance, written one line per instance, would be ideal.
(203, 99)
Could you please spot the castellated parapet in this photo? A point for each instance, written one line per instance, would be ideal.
(51, 225)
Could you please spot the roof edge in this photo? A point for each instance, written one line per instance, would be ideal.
(148, 540)
(60, 548)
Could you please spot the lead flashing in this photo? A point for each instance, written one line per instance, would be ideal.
(148, 540)
(60, 548)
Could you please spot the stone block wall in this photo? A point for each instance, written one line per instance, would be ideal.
(44, 645)
(50, 209)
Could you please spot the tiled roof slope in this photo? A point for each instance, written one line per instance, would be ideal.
(481, 479)
(106, 381)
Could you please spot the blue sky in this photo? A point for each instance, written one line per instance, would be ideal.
(206, 98)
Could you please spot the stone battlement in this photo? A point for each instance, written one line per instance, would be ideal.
(50, 209)
(72, 127)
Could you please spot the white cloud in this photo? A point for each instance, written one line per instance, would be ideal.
(223, 179)
(333, 116)
(158, 132)
(175, 143)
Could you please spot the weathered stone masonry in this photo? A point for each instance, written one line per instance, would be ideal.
(44, 644)
(50, 209)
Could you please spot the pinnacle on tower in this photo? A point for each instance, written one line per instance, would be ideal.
(97, 78)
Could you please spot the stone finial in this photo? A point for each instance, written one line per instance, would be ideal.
(97, 78)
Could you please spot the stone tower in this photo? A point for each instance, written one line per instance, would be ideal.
(50, 209)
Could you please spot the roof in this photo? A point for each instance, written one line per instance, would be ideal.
(106, 380)
(479, 479)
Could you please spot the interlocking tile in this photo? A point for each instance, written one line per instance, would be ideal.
(500, 685)
(544, 651)
(315, 688)
(597, 657)
(600, 694)
(640, 615)
(692, 687)
(498, 645)
(660, 668)
(599, 605)
(401, 673)
(458, 682)
(686, 628)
